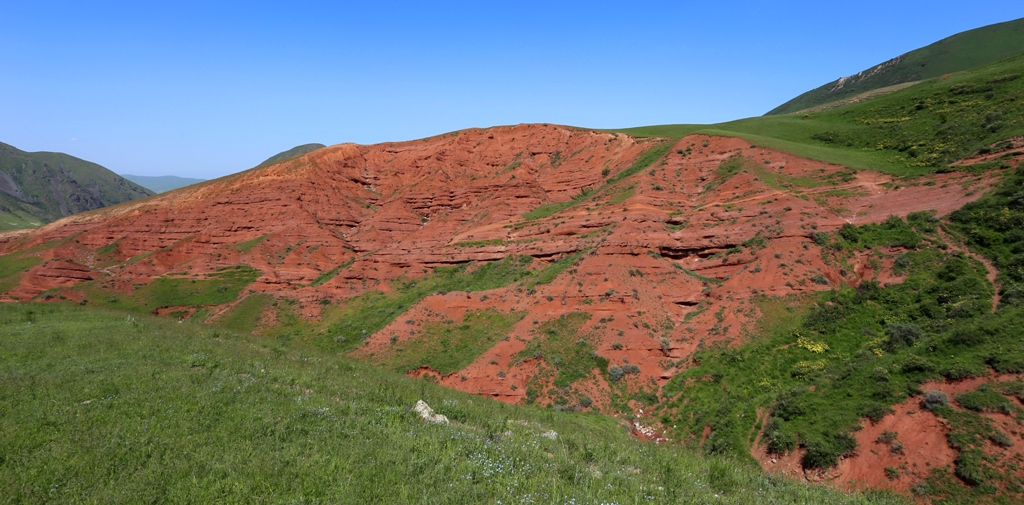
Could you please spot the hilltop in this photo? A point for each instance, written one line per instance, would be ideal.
(963, 51)
(37, 188)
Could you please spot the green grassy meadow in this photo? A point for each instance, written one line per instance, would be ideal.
(913, 131)
(100, 406)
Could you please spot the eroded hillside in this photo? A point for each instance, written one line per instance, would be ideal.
(533, 264)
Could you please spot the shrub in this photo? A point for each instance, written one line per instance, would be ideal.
(902, 335)
(984, 399)
(887, 437)
(923, 488)
(969, 466)
(615, 373)
(967, 337)
(1000, 438)
(915, 363)
(1003, 363)
(933, 399)
(824, 452)
(849, 233)
(876, 412)
(788, 406)
(960, 371)
(902, 262)
(780, 441)
(1011, 294)
(719, 442)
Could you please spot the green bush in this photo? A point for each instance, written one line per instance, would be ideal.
(970, 466)
(902, 335)
(780, 441)
(824, 452)
(984, 399)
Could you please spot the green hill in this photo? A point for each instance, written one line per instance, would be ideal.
(919, 129)
(963, 51)
(291, 153)
(162, 183)
(36, 188)
(98, 406)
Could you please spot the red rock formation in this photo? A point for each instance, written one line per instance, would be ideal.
(662, 271)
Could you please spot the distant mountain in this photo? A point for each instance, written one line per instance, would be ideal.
(161, 183)
(291, 153)
(36, 188)
(963, 51)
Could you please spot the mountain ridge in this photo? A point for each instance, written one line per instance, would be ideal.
(40, 187)
(962, 51)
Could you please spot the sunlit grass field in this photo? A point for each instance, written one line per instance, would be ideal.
(97, 406)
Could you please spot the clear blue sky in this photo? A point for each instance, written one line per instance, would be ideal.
(203, 89)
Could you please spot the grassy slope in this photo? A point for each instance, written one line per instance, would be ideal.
(41, 176)
(963, 51)
(291, 153)
(163, 183)
(97, 406)
(916, 130)
(447, 347)
(218, 288)
(343, 328)
(15, 214)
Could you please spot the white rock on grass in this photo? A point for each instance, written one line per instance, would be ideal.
(550, 434)
(428, 414)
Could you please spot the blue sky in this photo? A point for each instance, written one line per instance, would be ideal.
(203, 89)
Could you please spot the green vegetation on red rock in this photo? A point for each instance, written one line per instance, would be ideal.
(821, 364)
(217, 288)
(994, 226)
(245, 316)
(447, 346)
(645, 160)
(824, 363)
(568, 356)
